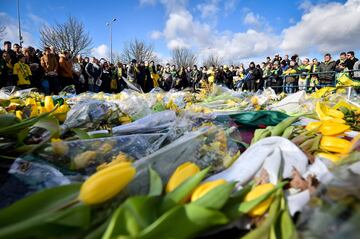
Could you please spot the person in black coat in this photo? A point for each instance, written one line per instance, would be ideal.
(148, 83)
(105, 77)
(252, 74)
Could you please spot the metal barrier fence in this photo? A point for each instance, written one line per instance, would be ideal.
(334, 80)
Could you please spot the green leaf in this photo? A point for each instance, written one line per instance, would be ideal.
(132, 216)
(51, 124)
(21, 136)
(97, 232)
(183, 190)
(217, 197)
(99, 135)
(13, 129)
(7, 120)
(32, 213)
(43, 201)
(75, 216)
(156, 186)
(82, 134)
(284, 226)
(184, 221)
(4, 103)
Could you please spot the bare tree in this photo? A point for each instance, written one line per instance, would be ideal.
(212, 60)
(70, 35)
(138, 50)
(183, 57)
(2, 32)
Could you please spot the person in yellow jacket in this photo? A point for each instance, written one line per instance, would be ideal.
(23, 72)
(154, 75)
(211, 75)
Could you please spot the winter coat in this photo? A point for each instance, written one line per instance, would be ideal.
(49, 63)
(65, 67)
(326, 66)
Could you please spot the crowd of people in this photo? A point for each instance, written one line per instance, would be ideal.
(51, 71)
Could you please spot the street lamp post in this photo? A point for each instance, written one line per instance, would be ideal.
(19, 26)
(109, 24)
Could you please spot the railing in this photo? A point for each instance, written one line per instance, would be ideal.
(296, 76)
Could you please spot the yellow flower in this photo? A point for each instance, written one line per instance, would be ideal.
(107, 183)
(55, 140)
(19, 114)
(34, 111)
(335, 158)
(254, 100)
(120, 158)
(83, 159)
(325, 113)
(49, 103)
(314, 126)
(61, 112)
(257, 192)
(30, 101)
(335, 145)
(204, 188)
(183, 172)
(332, 128)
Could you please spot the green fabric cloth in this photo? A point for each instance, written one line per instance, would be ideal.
(255, 118)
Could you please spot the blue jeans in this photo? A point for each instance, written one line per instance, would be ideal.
(289, 88)
(94, 88)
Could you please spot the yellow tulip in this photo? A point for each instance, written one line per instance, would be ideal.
(256, 192)
(34, 111)
(61, 112)
(183, 172)
(204, 188)
(314, 126)
(30, 101)
(106, 183)
(19, 114)
(332, 128)
(335, 145)
(335, 158)
(120, 158)
(49, 103)
(323, 113)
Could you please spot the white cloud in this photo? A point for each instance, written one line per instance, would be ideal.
(305, 5)
(329, 27)
(181, 30)
(11, 32)
(102, 51)
(209, 9)
(229, 6)
(256, 21)
(324, 27)
(155, 35)
(252, 19)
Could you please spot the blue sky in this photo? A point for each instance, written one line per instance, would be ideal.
(235, 30)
